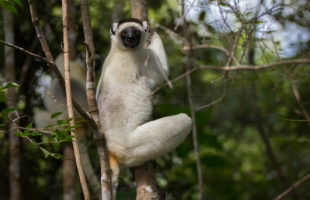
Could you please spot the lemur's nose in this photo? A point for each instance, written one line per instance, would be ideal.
(131, 35)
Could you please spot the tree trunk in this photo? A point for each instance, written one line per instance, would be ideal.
(69, 170)
(117, 12)
(147, 187)
(139, 9)
(68, 173)
(69, 99)
(14, 143)
(99, 137)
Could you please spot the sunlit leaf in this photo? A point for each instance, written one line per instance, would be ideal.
(56, 114)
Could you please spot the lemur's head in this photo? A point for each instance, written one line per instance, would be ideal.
(129, 34)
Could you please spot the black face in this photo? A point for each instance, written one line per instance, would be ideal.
(130, 37)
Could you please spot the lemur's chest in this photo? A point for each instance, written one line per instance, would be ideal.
(125, 106)
(126, 95)
(128, 68)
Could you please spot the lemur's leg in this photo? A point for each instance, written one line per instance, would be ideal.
(156, 138)
(115, 173)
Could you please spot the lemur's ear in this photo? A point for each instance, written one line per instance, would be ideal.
(146, 26)
(113, 28)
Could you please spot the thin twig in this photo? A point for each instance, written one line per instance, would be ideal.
(216, 101)
(187, 43)
(210, 46)
(222, 16)
(69, 101)
(175, 79)
(50, 61)
(256, 67)
(298, 99)
(290, 189)
(25, 51)
(234, 48)
(44, 132)
(236, 68)
(169, 31)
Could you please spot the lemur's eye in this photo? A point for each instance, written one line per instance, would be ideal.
(123, 33)
(137, 32)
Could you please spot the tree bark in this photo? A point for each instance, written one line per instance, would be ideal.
(117, 12)
(69, 170)
(90, 173)
(100, 141)
(147, 187)
(139, 9)
(69, 99)
(69, 173)
(14, 142)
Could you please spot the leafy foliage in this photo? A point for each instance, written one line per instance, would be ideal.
(11, 5)
(235, 160)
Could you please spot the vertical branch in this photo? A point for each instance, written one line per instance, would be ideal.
(14, 143)
(147, 187)
(90, 173)
(71, 27)
(69, 99)
(39, 31)
(139, 9)
(187, 43)
(117, 12)
(83, 130)
(69, 171)
(92, 103)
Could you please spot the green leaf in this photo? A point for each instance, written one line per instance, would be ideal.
(18, 2)
(223, 3)
(10, 7)
(6, 111)
(248, 13)
(18, 133)
(29, 125)
(46, 153)
(202, 15)
(54, 155)
(69, 120)
(61, 122)
(48, 126)
(9, 85)
(271, 31)
(58, 156)
(56, 114)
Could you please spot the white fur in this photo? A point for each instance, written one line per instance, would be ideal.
(124, 100)
(54, 100)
